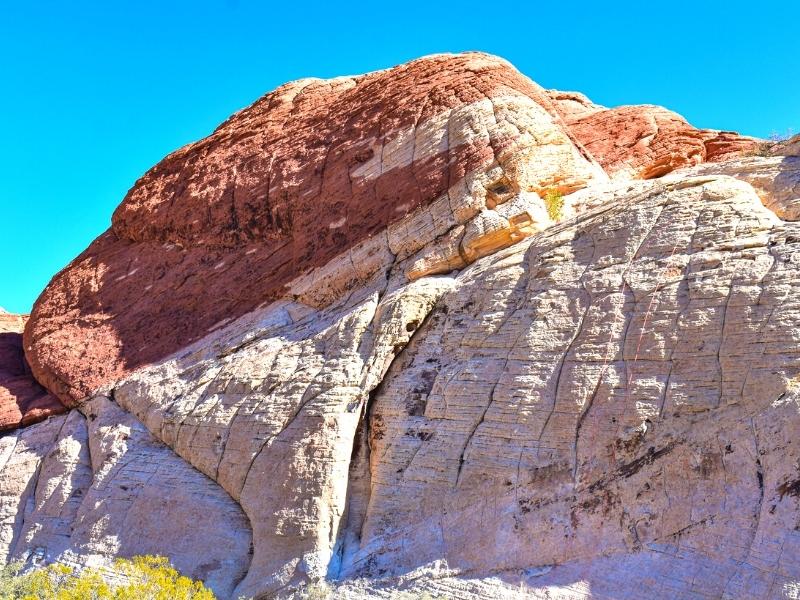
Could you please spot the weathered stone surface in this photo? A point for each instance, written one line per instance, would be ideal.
(611, 398)
(612, 403)
(350, 311)
(21, 453)
(775, 179)
(22, 399)
(269, 408)
(302, 176)
(82, 489)
(649, 141)
(573, 105)
(790, 147)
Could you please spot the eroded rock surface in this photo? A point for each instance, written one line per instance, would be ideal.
(90, 486)
(614, 400)
(603, 398)
(646, 141)
(308, 172)
(22, 399)
(353, 317)
(776, 179)
(790, 147)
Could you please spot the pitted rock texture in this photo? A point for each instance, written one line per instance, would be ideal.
(82, 489)
(643, 142)
(348, 318)
(22, 399)
(303, 175)
(614, 400)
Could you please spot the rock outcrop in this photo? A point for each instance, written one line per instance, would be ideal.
(307, 174)
(643, 142)
(776, 179)
(22, 399)
(789, 147)
(92, 485)
(431, 329)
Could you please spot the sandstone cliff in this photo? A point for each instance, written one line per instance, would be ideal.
(436, 329)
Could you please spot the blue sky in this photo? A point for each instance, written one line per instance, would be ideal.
(94, 93)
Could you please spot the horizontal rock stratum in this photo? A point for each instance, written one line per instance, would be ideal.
(431, 329)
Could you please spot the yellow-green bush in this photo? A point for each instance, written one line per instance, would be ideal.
(139, 578)
(554, 201)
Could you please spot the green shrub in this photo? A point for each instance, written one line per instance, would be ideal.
(415, 596)
(316, 591)
(140, 578)
(554, 201)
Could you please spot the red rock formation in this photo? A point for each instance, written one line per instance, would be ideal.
(721, 145)
(573, 105)
(304, 174)
(646, 141)
(22, 400)
(221, 226)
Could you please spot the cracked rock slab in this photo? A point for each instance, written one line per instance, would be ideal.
(87, 487)
(613, 399)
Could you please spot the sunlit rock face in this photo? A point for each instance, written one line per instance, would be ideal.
(430, 329)
(93, 485)
(643, 142)
(310, 172)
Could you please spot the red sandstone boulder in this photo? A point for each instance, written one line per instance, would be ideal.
(283, 186)
(22, 400)
(645, 141)
(311, 171)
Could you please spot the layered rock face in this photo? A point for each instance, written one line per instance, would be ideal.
(308, 173)
(431, 329)
(22, 399)
(642, 142)
(623, 387)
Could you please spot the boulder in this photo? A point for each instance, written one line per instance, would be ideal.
(431, 329)
(306, 174)
(644, 141)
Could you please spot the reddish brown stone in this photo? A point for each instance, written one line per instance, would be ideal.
(220, 226)
(721, 145)
(22, 400)
(223, 225)
(573, 105)
(648, 141)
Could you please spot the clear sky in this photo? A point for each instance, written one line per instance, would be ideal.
(94, 93)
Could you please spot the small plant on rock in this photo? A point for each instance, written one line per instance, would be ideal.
(554, 201)
(318, 590)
